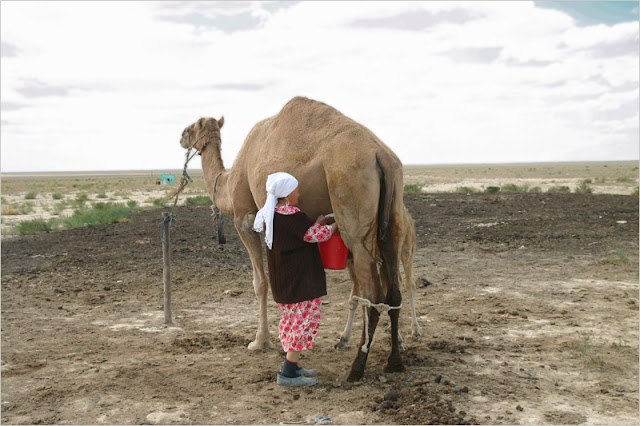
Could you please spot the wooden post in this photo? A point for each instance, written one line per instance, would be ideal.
(166, 273)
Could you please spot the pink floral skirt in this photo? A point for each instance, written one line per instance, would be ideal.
(299, 324)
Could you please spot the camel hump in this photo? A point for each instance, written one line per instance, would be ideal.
(303, 101)
(310, 112)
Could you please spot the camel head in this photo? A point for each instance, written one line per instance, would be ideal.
(201, 132)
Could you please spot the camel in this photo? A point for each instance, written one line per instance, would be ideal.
(342, 167)
(407, 253)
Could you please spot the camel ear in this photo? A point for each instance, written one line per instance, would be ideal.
(221, 122)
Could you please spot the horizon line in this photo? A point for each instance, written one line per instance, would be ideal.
(109, 171)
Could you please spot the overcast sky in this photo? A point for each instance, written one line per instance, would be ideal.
(111, 85)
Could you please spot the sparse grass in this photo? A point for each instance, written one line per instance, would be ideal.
(466, 189)
(59, 207)
(582, 345)
(587, 181)
(492, 189)
(9, 210)
(26, 208)
(85, 186)
(101, 195)
(623, 179)
(412, 188)
(201, 199)
(583, 188)
(586, 349)
(122, 194)
(601, 179)
(555, 189)
(57, 196)
(30, 196)
(132, 204)
(619, 257)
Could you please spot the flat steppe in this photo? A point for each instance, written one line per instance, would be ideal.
(528, 305)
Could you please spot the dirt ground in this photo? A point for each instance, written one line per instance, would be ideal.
(530, 317)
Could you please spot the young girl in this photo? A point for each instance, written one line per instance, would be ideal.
(296, 273)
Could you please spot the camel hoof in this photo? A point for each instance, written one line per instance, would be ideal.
(393, 367)
(257, 345)
(416, 334)
(342, 344)
(355, 376)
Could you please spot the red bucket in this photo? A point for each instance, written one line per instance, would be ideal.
(334, 253)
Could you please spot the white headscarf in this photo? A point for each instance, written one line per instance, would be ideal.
(279, 185)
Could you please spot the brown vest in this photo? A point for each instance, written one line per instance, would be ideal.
(296, 273)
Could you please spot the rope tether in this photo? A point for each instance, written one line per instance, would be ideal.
(380, 307)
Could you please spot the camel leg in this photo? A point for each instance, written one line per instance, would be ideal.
(394, 298)
(357, 368)
(251, 240)
(365, 270)
(410, 286)
(417, 333)
(346, 334)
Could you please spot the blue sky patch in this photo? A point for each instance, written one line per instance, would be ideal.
(588, 13)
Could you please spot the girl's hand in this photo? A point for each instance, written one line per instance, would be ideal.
(321, 220)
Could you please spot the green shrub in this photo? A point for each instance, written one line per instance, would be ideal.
(412, 188)
(81, 198)
(601, 179)
(26, 208)
(466, 189)
(101, 195)
(33, 226)
(555, 189)
(56, 196)
(30, 196)
(492, 189)
(587, 181)
(623, 179)
(583, 189)
(159, 202)
(535, 189)
(132, 204)
(4, 201)
(101, 213)
(200, 199)
(59, 207)
(512, 187)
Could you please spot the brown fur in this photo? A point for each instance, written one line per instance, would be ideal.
(342, 167)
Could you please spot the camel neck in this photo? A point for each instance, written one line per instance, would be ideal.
(212, 166)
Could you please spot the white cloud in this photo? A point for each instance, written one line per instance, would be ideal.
(111, 85)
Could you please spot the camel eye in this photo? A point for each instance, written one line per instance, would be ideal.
(200, 124)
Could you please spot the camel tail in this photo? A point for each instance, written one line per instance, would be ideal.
(387, 239)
